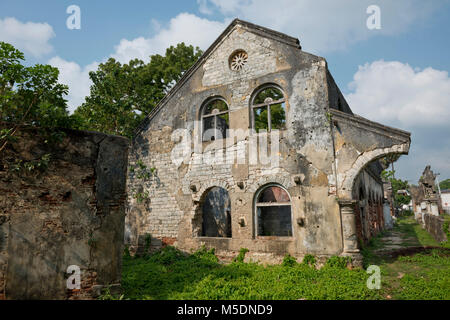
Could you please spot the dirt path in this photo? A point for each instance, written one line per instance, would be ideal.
(413, 264)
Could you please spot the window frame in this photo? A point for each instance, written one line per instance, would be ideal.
(214, 116)
(202, 213)
(265, 105)
(257, 205)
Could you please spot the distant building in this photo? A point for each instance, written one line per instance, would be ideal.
(445, 200)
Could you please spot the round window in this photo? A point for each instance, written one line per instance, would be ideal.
(238, 60)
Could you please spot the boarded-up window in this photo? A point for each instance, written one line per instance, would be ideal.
(273, 212)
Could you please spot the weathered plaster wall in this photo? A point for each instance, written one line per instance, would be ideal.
(306, 151)
(434, 225)
(316, 160)
(71, 213)
(368, 191)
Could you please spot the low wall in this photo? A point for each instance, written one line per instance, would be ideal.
(69, 211)
(434, 225)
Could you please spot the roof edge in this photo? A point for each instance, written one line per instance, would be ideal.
(263, 31)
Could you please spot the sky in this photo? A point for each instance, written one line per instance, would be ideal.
(397, 74)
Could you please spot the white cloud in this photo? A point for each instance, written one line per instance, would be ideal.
(76, 77)
(185, 27)
(30, 37)
(203, 7)
(394, 93)
(415, 100)
(326, 25)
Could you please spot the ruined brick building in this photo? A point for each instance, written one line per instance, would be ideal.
(255, 147)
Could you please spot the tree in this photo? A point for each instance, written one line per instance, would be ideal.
(445, 184)
(122, 95)
(397, 184)
(28, 95)
(389, 160)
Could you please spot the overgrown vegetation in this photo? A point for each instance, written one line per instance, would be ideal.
(445, 184)
(171, 274)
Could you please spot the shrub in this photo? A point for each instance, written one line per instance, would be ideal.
(240, 257)
(338, 262)
(289, 261)
(309, 260)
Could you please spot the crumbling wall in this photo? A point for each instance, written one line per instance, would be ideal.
(368, 191)
(175, 191)
(67, 212)
(321, 151)
(434, 225)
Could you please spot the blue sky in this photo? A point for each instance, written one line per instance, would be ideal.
(397, 75)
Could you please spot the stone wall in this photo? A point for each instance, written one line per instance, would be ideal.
(434, 225)
(368, 191)
(321, 150)
(70, 212)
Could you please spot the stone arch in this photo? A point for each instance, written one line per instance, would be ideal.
(281, 179)
(211, 214)
(362, 161)
(274, 217)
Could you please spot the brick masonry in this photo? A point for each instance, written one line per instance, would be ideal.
(71, 213)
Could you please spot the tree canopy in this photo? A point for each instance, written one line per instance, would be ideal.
(123, 94)
(29, 95)
(445, 184)
(397, 184)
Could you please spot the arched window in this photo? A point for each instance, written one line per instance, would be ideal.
(215, 120)
(216, 213)
(268, 109)
(273, 212)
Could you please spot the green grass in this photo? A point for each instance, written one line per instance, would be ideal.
(171, 274)
(423, 276)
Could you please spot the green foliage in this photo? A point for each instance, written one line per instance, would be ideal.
(407, 213)
(92, 242)
(106, 295)
(141, 171)
(427, 276)
(278, 113)
(289, 261)
(141, 196)
(338, 262)
(397, 184)
(148, 242)
(445, 228)
(445, 184)
(171, 274)
(309, 260)
(126, 252)
(40, 164)
(29, 95)
(240, 257)
(123, 94)
(201, 276)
